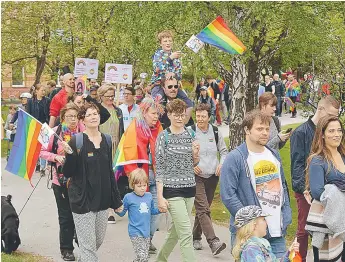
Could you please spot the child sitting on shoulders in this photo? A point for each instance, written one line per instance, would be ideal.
(140, 207)
(250, 243)
(166, 61)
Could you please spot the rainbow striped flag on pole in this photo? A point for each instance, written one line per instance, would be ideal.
(26, 147)
(218, 34)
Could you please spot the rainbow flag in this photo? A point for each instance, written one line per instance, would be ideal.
(26, 147)
(219, 34)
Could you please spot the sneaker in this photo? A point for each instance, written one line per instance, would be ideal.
(152, 248)
(197, 244)
(217, 247)
(68, 256)
(111, 220)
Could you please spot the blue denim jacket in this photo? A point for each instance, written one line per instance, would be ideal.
(237, 191)
(259, 250)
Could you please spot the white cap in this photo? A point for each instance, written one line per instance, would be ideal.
(25, 95)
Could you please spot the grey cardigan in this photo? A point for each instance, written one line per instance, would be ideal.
(274, 141)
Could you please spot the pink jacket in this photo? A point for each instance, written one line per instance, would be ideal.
(48, 155)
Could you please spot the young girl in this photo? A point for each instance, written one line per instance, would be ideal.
(250, 242)
(140, 207)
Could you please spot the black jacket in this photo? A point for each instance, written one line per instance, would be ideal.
(33, 108)
(301, 141)
(82, 184)
(280, 89)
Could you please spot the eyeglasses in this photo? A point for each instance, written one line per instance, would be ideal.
(127, 94)
(71, 116)
(171, 86)
(109, 97)
(182, 116)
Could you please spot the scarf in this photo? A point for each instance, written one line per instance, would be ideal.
(67, 133)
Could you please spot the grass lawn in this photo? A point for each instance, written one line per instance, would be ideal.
(220, 214)
(22, 257)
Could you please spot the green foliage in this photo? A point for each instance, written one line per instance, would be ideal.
(22, 257)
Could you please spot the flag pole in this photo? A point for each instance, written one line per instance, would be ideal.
(30, 195)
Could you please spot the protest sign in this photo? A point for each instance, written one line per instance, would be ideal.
(194, 44)
(86, 66)
(80, 85)
(118, 73)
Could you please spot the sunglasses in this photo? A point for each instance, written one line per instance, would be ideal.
(171, 86)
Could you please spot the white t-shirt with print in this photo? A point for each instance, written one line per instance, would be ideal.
(266, 179)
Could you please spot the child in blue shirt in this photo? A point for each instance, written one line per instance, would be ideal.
(140, 207)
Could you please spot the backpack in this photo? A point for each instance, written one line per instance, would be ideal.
(215, 132)
(79, 141)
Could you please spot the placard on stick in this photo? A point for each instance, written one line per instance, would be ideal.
(118, 73)
(86, 66)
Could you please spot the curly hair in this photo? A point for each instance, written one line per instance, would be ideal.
(176, 106)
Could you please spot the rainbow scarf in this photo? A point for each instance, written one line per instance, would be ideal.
(132, 149)
(26, 147)
(218, 34)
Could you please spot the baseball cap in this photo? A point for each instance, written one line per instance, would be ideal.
(203, 88)
(25, 95)
(247, 214)
(93, 88)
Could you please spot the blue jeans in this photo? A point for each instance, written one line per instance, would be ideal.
(43, 163)
(153, 191)
(278, 245)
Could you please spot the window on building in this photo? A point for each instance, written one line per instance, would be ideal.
(17, 75)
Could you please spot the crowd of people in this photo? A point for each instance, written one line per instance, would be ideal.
(172, 164)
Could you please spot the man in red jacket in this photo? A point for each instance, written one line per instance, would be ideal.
(60, 99)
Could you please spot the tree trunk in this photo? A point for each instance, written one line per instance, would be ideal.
(41, 62)
(238, 102)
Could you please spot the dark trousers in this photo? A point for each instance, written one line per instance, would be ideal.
(279, 106)
(302, 235)
(294, 109)
(205, 188)
(65, 218)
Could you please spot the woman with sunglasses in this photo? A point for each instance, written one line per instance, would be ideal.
(113, 126)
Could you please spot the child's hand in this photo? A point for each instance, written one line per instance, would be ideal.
(119, 210)
(163, 205)
(294, 246)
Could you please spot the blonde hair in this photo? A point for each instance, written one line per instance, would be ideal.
(242, 236)
(105, 88)
(165, 34)
(136, 177)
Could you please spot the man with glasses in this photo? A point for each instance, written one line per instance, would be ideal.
(301, 140)
(206, 177)
(129, 108)
(60, 99)
(170, 87)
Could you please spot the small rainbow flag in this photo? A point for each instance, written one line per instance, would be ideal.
(219, 34)
(26, 147)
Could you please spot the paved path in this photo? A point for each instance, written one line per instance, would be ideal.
(39, 227)
(285, 120)
(39, 224)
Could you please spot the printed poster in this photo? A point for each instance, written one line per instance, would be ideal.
(118, 73)
(86, 66)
